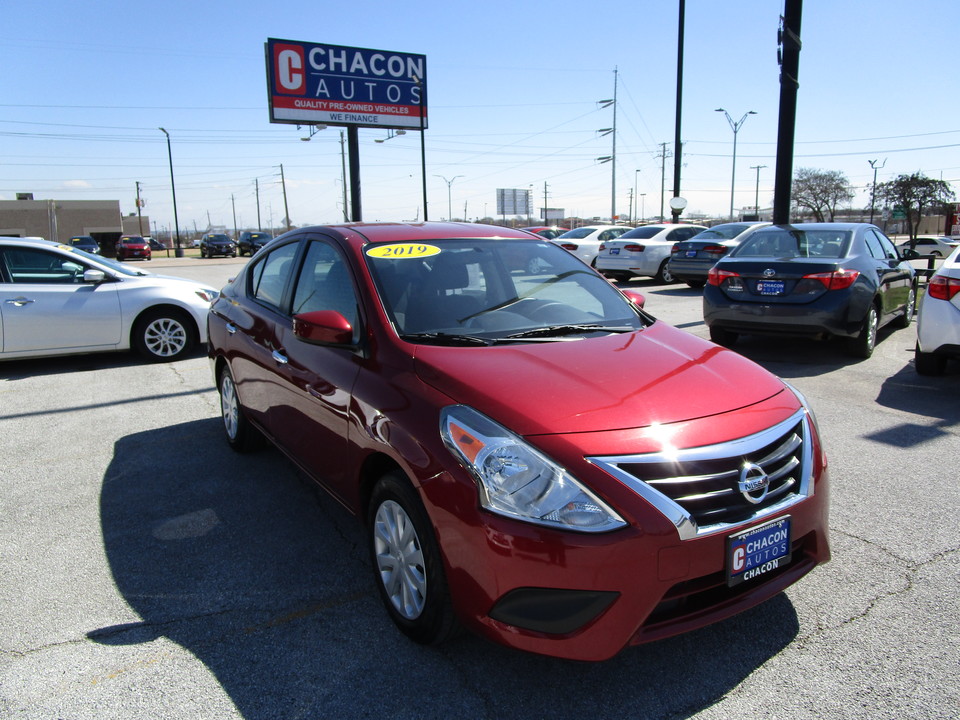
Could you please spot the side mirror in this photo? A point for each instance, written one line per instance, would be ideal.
(323, 327)
(634, 297)
(908, 254)
(94, 276)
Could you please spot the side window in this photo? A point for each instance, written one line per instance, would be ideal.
(271, 274)
(873, 245)
(27, 265)
(890, 252)
(324, 283)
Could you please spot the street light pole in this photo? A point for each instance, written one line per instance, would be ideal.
(735, 126)
(873, 192)
(176, 223)
(449, 203)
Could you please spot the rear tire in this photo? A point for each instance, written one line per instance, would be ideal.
(407, 562)
(928, 363)
(722, 336)
(863, 344)
(241, 435)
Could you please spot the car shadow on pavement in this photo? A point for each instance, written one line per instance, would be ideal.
(266, 580)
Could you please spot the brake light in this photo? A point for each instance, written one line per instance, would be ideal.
(633, 247)
(837, 280)
(715, 249)
(675, 249)
(569, 246)
(943, 288)
(603, 246)
(716, 277)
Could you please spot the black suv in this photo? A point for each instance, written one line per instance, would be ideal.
(250, 242)
(216, 244)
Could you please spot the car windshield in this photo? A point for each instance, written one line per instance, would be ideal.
(783, 243)
(645, 233)
(218, 238)
(115, 266)
(495, 290)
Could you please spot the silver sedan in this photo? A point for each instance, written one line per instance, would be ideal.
(58, 300)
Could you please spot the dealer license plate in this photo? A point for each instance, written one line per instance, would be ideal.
(770, 287)
(758, 551)
(691, 253)
(614, 251)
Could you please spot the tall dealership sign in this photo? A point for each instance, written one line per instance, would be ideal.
(317, 84)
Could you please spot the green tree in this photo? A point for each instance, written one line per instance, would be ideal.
(821, 191)
(915, 193)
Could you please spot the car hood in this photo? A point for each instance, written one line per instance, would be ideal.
(656, 375)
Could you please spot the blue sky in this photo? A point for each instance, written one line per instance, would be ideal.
(513, 101)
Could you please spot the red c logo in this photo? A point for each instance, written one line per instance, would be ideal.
(288, 63)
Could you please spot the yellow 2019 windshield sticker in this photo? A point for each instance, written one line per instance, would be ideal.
(399, 251)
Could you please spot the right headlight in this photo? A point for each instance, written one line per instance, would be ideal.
(516, 480)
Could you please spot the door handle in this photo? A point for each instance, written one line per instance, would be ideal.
(279, 357)
(231, 328)
(19, 301)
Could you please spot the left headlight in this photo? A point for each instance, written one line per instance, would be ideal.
(516, 480)
(207, 294)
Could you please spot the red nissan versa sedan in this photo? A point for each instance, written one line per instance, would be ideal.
(535, 457)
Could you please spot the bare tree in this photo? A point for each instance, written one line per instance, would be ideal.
(821, 192)
(914, 193)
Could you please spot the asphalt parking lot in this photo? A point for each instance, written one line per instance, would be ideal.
(147, 571)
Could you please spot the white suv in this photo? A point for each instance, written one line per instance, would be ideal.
(938, 321)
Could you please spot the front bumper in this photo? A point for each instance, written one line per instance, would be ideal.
(587, 597)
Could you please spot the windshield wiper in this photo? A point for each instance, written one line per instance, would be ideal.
(560, 330)
(442, 338)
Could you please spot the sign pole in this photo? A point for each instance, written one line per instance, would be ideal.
(353, 149)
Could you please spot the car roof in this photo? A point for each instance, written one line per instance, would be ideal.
(415, 232)
(29, 241)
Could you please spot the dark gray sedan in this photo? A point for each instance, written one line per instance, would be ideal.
(691, 260)
(813, 279)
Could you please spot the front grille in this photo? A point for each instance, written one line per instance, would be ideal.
(711, 488)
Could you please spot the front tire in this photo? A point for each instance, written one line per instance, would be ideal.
(163, 335)
(664, 275)
(407, 562)
(904, 320)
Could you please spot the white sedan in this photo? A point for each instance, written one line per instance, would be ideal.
(584, 242)
(57, 300)
(938, 246)
(643, 251)
(938, 320)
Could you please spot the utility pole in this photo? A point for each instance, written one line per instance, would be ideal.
(140, 218)
(236, 233)
(756, 198)
(256, 184)
(343, 162)
(286, 210)
(663, 175)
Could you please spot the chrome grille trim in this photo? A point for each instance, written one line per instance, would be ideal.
(667, 494)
